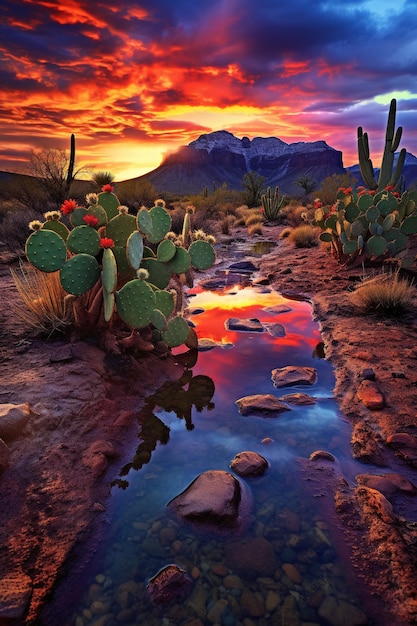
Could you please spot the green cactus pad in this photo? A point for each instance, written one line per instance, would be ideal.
(134, 249)
(108, 304)
(77, 216)
(330, 222)
(135, 302)
(159, 320)
(120, 228)
(124, 270)
(109, 273)
(46, 250)
(161, 224)
(326, 237)
(98, 211)
(388, 222)
(181, 261)
(166, 250)
(372, 214)
(357, 228)
(144, 221)
(159, 273)
(110, 203)
(165, 302)
(376, 245)
(364, 202)
(176, 332)
(387, 205)
(84, 239)
(409, 225)
(202, 255)
(58, 227)
(350, 246)
(352, 212)
(80, 274)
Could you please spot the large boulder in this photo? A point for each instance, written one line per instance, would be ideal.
(213, 499)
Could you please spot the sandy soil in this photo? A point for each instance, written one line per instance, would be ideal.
(81, 426)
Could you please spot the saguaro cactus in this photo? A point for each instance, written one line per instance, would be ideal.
(388, 175)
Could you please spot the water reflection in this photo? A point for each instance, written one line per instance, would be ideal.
(300, 578)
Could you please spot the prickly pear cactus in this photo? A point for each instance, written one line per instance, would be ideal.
(46, 250)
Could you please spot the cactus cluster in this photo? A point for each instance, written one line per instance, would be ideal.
(364, 224)
(121, 261)
(371, 223)
(272, 204)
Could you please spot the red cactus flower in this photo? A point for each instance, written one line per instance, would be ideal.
(389, 188)
(68, 206)
(372, 192)
(318, 205)
(347, 190)
(107, 188)
(396, 194)
(90, 220)
(106, 242)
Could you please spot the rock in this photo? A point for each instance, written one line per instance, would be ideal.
(252, 603)
(63, 354)
(277, 308)
(252, 557)
(370, 395)
(292, 573)
(249, 464)
(13, 419)
(4, 456)
(387, 484)
(261, 404)
(205, 344)
(341, 613)
(275, 330)
(247, 325)
(15, 593)
(243, 267)
(97, 455)
(169, 585)
(214, 615)
(402, 440)
(298, 399)
(321, 455)
(377, 501)
(213, 498)
(293, 375)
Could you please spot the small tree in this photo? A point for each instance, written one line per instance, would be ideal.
(329, 187)
(307, 183)
(252, 183)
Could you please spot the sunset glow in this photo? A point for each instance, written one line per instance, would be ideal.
(135, 81)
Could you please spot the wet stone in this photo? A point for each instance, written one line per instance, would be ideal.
(293, 375)
(249, 325)
(261, 404)
(340, 612)
(370, 395)
(298, 399)
(249, 464)
(170, 584)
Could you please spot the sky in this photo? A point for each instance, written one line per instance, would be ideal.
(136, 79)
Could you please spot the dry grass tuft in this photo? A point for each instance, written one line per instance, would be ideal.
(285, 232)
(387, 294)
(255, 229)
(43, 299)
(226, 223)
(304, 236)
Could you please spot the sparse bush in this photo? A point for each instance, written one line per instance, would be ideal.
(286, 232)
(387, 294)
(304, 236)
(44, 300)
(255, 229)
(255, 217)
(330, 185)
(295, 215)
(226, 224)
(15, 229)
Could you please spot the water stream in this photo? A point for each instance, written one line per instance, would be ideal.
(193, 425)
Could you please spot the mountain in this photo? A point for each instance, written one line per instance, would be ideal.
(220, 157)
(409, 170)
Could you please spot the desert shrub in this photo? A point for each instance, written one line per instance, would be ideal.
(226, 223)
(255, 228)
(43, 298)
(304, 236)
(330, 185)
(385, 293)
(254, 217)
(295, 215)
(15, 229)
(285, 232)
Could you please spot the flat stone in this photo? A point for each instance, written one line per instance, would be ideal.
(298, 399)
(275, 330)
(213, 498)
(293, 375)
(387, 484)
(206, 344)
(341, 613)
(402, 440)
(249, 464)
(246, 325)
(321, 455)
(261, 404)
(370, 395)
(277, 309)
